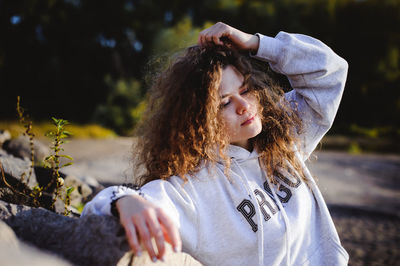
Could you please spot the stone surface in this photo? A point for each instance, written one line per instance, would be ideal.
(170, 259)
(7, 236)
(26, 255)
(81, 192)
(91, 240)
(17, 167)
(8, 210)
(20, 147)
(15, 253)
(4, 136)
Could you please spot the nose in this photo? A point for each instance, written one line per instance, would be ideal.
(242, 106)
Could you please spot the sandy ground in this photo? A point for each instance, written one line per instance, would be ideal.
(362, 192)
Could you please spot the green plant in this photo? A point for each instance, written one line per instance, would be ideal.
(20, 191)
(354, 148)
(59, 135)
(24, 120)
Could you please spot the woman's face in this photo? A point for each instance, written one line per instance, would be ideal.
(239, 108)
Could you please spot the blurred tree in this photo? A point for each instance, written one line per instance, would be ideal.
(120, 110)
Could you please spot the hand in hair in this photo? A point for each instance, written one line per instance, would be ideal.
(225, 35)
(143, 221)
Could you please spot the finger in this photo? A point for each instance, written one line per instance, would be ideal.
(200, 38)
(171, 230)
(209, 38)
(156, 232)
(132, 238)
(216, 40)
(203, 40)
(145, 238)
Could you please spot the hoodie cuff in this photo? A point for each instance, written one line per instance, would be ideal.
(121, 192)
(268, 49)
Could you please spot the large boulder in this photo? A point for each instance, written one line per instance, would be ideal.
(90, 240)
(14, 252)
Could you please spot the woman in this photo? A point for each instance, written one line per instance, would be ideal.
(224, 151)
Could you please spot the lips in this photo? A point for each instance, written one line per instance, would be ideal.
(248, 121)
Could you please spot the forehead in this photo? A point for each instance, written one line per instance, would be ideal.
(231, 80)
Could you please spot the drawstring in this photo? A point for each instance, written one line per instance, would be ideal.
(260, 234)
(285, 219)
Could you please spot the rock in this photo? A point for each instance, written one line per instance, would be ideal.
(44, 177)
(8, 210)
(91, 181)
(7, 236)
(4, 136)
(20, 147)
(171, 259)
(8, 195)
(90, 240)
(81, 192)
(27, 255)
(14, 252)
(17, 168)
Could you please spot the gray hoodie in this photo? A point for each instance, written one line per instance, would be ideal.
(245, 219)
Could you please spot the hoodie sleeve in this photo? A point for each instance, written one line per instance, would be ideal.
(317, 76)
(168, 195)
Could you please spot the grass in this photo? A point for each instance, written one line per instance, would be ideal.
(77, 131)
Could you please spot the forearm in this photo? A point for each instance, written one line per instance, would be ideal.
(101, 203)
(317, 76)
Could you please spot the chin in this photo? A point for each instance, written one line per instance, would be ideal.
(257, 129)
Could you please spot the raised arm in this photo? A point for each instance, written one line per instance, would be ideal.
(315, 72)
(317, 76)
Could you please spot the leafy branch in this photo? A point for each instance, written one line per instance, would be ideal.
(24, 120)
(42, 196)
(59, 135)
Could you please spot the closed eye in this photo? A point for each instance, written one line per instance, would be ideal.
(246, 90)
(224, 104)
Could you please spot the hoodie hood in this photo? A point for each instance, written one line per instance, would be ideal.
(241, 154)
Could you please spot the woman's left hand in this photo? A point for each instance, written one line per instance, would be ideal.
(225, 35)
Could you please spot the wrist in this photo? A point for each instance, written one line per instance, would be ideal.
(116, 204)
(254, 43)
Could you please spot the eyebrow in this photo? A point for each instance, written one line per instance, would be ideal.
(228, 94)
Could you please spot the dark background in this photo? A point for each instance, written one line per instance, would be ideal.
(87, 61)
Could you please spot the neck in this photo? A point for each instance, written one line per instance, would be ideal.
(246, 144)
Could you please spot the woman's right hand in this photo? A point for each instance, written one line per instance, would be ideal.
(223, 35)
(143, 221)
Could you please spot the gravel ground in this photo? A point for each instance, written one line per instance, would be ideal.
(362, 192)
(370, 238)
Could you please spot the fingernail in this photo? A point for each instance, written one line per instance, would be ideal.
(154, 259)
(139, 253)
(176, 250)
(162, 259)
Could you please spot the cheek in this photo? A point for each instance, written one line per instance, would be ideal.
(226, 118)
(229, 121)
(254, 103)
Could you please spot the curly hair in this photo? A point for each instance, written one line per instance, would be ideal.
(182, 129)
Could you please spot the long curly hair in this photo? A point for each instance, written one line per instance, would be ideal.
(182, 129)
